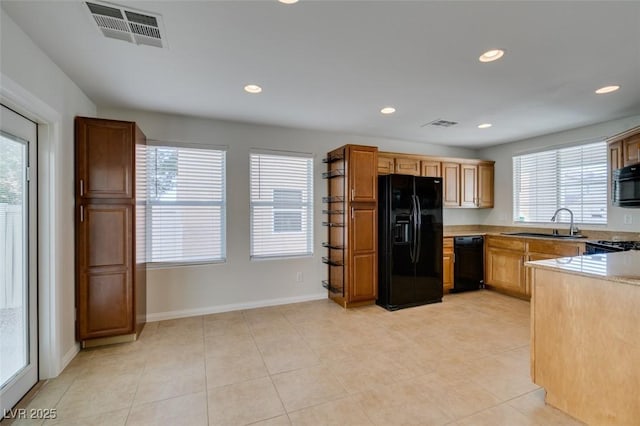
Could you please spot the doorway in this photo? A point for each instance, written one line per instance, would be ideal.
(18, 257)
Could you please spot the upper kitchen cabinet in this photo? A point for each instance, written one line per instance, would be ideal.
(631, 150)
(616, 159)
(385, 164)
(431, 168)
(362, 163)
(407, 166)
(485, 184)
(477, 185)
(451, 184)
(624, 149)
(104, 158)
(466, 183)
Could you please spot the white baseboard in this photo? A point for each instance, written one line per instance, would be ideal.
(68, 357)
(160, 316)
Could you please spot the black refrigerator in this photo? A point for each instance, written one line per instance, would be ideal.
(410, 241)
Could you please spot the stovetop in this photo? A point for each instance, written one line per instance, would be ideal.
(620, 245)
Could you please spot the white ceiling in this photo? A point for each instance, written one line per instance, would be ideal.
(333, 64)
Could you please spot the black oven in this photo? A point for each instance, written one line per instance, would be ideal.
(626, 186)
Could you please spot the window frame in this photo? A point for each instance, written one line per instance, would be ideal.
(223, 203)
(309, 205)
(559, 188)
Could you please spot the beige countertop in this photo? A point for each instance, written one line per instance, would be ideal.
(622, 267)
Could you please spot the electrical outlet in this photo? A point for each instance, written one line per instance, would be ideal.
(299, 277)
(628, 219)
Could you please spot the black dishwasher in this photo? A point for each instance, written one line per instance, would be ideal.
(468, 271)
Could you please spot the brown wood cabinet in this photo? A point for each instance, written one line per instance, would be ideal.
(616, 159)
(352, 209)
(469, 185)
(431, 168)
(624, 149)
(386, 165)
(485, 185)
(451, 184)
(505, 258)
(110, 279)
(631, 147)
(407, 166)
(447, 264)
(504, 265)
(466, 183)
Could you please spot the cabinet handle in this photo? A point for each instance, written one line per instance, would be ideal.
(81, 187)
(353, 215)
(81, 213)
(352, 193)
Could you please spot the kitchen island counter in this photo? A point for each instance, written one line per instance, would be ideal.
(585, 335)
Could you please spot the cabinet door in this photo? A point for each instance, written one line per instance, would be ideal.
(632, 150)
(104, 158)
(431, 168)
(469, 191)
(407, 166)
(363, 173)
(104, 268)
(451, 191)
(505, 270)
(363, 257)
(616, 159)
(447, 264)
(485, 185)
(385, 165)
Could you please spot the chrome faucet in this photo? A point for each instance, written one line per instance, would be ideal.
(573, 230)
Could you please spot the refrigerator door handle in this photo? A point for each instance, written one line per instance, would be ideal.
(418, 210)
(412, 229)
(415, 229)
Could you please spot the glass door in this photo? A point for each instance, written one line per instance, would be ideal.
(18, 245)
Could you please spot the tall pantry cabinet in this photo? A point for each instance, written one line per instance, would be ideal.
(110, 255)
(351, 208)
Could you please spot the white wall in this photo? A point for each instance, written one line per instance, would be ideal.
(33, 85)
(501, 214)
(241, 282)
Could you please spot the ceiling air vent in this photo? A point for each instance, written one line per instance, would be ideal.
(440, 123)
(126, 24)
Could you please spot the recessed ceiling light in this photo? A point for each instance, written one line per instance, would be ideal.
(484, 125)
(607, 89)
(252, 88)
(288, 1)
(388, 110)
(491, 55)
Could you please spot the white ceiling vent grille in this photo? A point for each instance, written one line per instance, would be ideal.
(440, 123)
(123, 23)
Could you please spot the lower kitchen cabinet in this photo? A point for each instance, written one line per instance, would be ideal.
(447, 264)
(504, 266)
(505, 258)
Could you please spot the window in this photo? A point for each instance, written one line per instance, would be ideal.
(573, 177)
(281, 205)
(186, 209)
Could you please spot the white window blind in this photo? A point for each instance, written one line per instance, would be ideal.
(186, 210)
(281, 205)
(573, 177)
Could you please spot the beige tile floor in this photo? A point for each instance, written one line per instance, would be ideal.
(462, 362)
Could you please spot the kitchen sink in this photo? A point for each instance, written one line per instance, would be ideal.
(542, 235)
